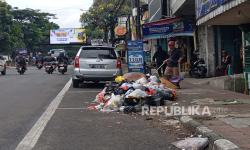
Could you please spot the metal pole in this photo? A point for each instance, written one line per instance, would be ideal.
(138, 20)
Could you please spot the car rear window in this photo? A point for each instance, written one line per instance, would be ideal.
(98, 52)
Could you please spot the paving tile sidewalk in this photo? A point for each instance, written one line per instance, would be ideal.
(230, 111)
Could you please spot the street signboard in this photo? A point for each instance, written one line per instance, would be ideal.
(135, 56)
(67, 36)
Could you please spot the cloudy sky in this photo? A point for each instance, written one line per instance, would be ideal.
(67, 11)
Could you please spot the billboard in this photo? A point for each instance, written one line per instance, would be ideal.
(67, 36)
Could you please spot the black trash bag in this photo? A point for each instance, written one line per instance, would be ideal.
(167, 95)
(119, 91)
(131, 101)
(111, 86)
(129, 109)
(155, 100)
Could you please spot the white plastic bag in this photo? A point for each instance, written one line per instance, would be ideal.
(153, 79)
(114, 103)
(137, 86)
(138, 94)
(142, 81)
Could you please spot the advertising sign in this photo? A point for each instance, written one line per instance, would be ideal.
(167, 28)
(135, 56)
(206, 6)
(67, 36)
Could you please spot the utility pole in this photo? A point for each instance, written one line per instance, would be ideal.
(138, 19)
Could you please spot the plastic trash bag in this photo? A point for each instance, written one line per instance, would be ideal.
(142, 81)
(137, 86)
(100, 96)
(150, 91)
(153, 79)
(126, 86)
(192, 143)
(119, 79)
(128, 92)
(138, 94)
(114, 103)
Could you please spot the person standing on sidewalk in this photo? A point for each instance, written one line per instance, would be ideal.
(159, 58)
(175, 57)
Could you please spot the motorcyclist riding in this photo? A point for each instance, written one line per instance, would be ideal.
(62, 59)
(39, 58)
(49, 59)
(20, 61)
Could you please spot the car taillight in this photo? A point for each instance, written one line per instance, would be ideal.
(119, 63)
(77, 62)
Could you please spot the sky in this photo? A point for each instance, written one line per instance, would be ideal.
(67, 11)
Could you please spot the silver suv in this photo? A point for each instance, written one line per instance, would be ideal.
(95, 63)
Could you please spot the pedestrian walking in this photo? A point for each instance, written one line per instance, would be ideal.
(159, 57)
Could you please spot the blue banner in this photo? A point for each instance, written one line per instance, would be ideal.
(167, 28)
(206, 6)
(135, 56)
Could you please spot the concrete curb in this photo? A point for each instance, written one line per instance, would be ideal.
(216, 142)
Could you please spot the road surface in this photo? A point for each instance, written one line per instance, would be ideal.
(23, 98)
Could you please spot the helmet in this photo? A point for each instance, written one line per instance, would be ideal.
(171, 44)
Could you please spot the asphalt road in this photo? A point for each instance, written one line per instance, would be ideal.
(74, 127)
(23, 98)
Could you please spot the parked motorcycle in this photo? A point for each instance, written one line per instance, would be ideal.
(198, 67)
(62, 68)
(21, 69)
(50, 67)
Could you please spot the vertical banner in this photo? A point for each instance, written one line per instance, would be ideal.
(135, 56)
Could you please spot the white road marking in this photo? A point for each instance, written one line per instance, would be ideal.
(31, 138)
(72, 108)
(85, 91)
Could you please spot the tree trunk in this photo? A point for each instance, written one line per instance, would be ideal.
(112, 32)
(106, 34)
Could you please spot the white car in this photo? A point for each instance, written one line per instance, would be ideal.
(2, 65)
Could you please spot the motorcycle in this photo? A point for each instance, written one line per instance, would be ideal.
(62, 68)
(50, 67)
(21, 69)
(39, 65)
(198, 67)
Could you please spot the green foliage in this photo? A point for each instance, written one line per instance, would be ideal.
(5, 26)
(23, 28)
(102, 17)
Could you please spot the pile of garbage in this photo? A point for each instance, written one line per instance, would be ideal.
(130, 92)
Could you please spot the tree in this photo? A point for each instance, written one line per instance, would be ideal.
(35, 26)
(5, 26)
(23, 28)
(102, 16)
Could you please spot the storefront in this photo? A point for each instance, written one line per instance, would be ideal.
(160, 32)
(219, 29)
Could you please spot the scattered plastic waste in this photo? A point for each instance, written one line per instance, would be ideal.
(130, 92)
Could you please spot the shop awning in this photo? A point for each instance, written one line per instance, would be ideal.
(167, 28)
(211, 12)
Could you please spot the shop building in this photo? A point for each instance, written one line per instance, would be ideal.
(223, 26)
(170, 19)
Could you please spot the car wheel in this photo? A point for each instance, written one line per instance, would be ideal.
(76, 83)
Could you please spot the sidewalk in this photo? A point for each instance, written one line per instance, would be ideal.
(230, 111)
